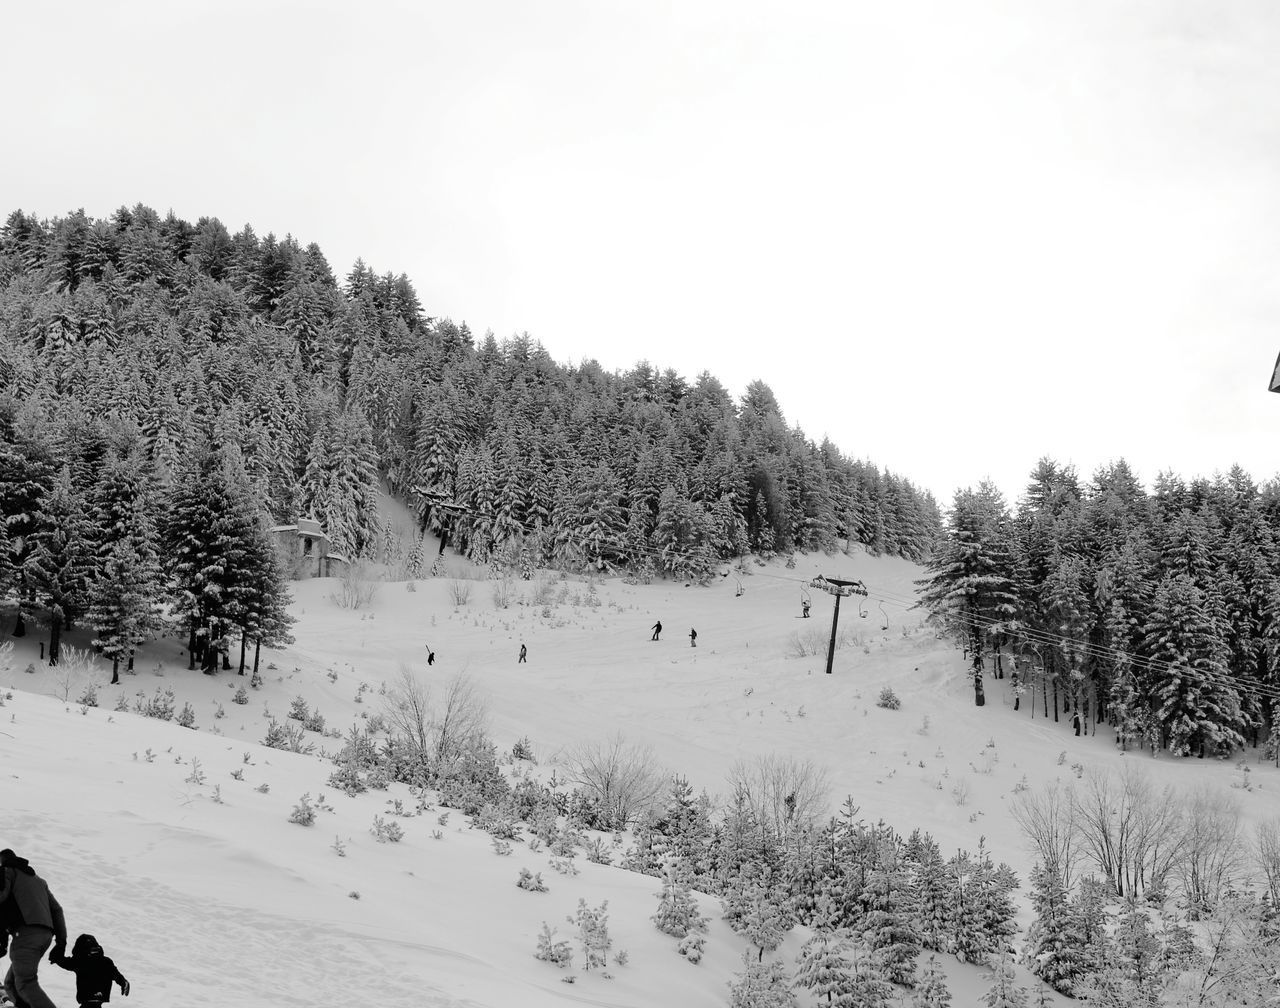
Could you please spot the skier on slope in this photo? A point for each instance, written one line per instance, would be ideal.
(693, 637)
(657, 630)
(431, 655)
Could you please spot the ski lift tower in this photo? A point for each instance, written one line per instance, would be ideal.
(839, 588)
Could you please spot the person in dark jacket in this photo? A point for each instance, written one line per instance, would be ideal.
(657, 630)
(94, 972)
(693, 637)
(33, 920)
(524, 655)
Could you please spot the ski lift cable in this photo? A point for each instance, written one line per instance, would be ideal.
(1048, 639)
(1028, 634)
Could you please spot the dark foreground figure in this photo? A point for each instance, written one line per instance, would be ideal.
(32, 920)
(95, 973)
(657, 630)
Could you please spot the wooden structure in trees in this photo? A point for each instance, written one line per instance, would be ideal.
(306, 551)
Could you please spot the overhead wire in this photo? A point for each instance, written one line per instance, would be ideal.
(1034, 636)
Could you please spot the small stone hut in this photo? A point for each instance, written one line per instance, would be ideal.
(306, 551)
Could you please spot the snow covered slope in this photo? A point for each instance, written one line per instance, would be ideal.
(206, 894)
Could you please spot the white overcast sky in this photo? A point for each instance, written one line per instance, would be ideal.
(953, 236)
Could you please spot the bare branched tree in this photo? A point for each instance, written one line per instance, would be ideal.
(1266, 851)
(1046, 819)
(407, 708)
(786, 795)
(461, 721)
(1213, 857)
(622, 778)
(1135, 836)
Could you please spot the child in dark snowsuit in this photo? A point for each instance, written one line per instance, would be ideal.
(94, 972)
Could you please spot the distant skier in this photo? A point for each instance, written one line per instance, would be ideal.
(524, 656)
(804, 609)
(431, 656)
(657, 630)
(693, 637)
(95, 973)
(34, 919)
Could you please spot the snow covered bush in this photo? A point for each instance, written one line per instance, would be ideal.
(290, 738)
(523, 750)
(241, 695)
(160, 706)
(691, 947)
(553, 950)
(355, 590)
(386, 832)
(304, 813)
(187, 716)
(530, 881)
(888, 699)
(459, 592)
(298, 708)
(592, 933)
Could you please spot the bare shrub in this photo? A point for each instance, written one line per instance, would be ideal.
(77, 668)
(503, 593)
(1046, 819)
(542, 592)
(785, 795)
(815, 641)
(1213, 858)
(436, 731)
(1266, 852)
(355, 589)
(459, 592)
(621, 778)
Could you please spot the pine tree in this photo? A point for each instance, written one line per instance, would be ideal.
(124, 600)
(824, 968)
(1004, 991)
(1053, 950)
(61, 563)
(931, 988)
(760, 985)
(264, 615)
(1196, 704)
(677, 912)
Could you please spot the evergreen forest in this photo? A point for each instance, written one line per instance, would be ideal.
(1157, 613)
(169, 390)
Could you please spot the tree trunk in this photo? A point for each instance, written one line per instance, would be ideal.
(191, 644)
(115, 669)
(257, 648)
(979, 697)
(1013, 679)
(20, 628)
(1055, 699)
(129, 668)
(244, 640)
(55, 634)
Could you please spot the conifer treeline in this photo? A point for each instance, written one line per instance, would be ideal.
(176, 336)
(1157, 613)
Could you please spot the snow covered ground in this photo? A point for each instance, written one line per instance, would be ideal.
(205, 893)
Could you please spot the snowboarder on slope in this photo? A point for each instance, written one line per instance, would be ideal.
(524, 655)
(657, 630)
(94, 972)
(34, 919)
(431, 656)
(693, 637)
